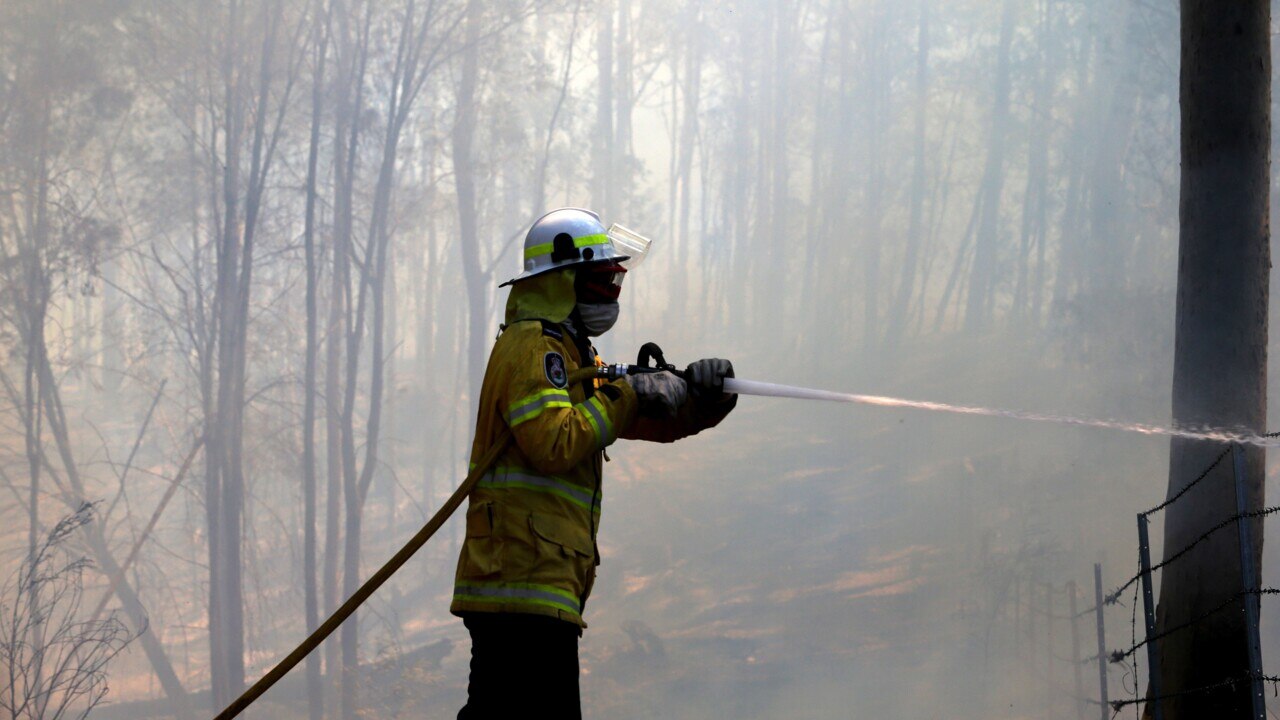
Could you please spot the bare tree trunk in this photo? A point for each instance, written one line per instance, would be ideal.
(1069, 262)
(915, 222)
(1220, 352)
(540, 181)
(1108, 238)
(315, 696)
(981, 296)
(876, 92)
(35, 304)
(1035, 197)
(625, 101)
(691, 91)
(428, 332)
(350, 87)
(830, 172)
(96, 541)
(602, 189)
(222, 500)
(738, 207)
(404, 83)
(820, 170)
(768, 260)
(462, 138)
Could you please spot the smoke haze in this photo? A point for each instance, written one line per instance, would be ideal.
(971, 202)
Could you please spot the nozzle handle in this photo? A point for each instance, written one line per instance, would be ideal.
(651, 359)
(650, 352)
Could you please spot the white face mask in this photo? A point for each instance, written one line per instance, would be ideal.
(598, 318)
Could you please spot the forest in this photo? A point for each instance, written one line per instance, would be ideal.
(249, 263)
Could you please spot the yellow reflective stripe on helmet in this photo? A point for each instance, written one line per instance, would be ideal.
(521, 593)
(531, 406)
(599, 419)
(517, 477)
(546, 248)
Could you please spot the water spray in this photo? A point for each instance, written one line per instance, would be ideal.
(652, 360)
(763, 389)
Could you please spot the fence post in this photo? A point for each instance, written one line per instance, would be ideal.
(1102, 640)
(1251, 597)
(1017, 616)
(1031, 623)
(1048, 648)
(1075, 649)
(1149, 615)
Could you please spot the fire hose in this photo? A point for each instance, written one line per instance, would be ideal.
(325, 629)
(651, 359)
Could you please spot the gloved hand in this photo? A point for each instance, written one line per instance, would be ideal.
(660, 394)
(706, 377)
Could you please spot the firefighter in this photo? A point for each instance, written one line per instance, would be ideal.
(529, 558)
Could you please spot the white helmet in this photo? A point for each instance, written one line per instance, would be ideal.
(564, 238)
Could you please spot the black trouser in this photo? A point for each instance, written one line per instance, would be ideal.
(522, 666)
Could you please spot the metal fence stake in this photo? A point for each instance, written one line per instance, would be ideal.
(1017, 616)
(1102, 641)
(1048, 648)
(1075, 649)
(1249, 581)
(1149, 615)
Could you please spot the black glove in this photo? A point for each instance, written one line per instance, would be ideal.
(660, 394)
(706, 377)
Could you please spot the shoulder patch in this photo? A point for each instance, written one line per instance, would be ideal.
(553, 365)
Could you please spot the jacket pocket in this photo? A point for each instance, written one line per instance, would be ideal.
(565, 552)
(572, 538)
(482, 550)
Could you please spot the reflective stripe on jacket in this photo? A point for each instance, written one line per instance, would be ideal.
(529, 540)
(531, 522)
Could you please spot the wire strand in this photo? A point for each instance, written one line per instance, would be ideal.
(1190, 546)
(1178, 495)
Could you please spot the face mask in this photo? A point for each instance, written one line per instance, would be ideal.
(598, 318)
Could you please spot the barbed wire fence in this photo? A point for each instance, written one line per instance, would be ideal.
(1247, 599)
(1052, 640)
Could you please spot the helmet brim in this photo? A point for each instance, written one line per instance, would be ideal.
(535, 273)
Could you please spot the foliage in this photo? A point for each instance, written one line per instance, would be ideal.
(54, 661)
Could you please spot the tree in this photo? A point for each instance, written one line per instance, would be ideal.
(59, 102)
(1220, 351)
(983, 280)
(916, 225)
(321, 24)
(250, 125)
(64, 675)
(461, 140)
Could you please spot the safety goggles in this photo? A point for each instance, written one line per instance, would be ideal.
(629, 243)
(599, 283)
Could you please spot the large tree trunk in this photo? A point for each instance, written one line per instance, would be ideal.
(1220, 354)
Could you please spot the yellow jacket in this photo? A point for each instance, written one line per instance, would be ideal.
(532, 520)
